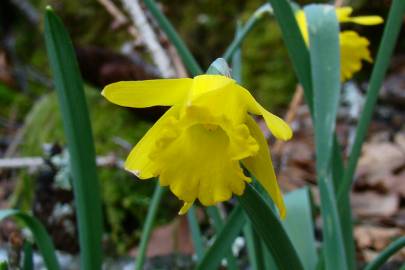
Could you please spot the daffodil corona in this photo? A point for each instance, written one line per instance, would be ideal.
(197, 147)
(353, 47)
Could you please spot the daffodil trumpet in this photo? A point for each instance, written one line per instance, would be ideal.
(197, 147)
(353, 47)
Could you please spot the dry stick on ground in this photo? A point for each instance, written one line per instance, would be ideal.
(177, 62)
(119, 17)
(34, 162)
(159, 56)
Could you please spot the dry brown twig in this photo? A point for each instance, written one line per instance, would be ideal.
(165, 56)
(119, 18)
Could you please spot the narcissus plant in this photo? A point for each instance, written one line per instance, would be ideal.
(199, 145)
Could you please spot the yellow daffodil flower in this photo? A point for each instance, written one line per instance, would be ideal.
(197, 146)
(353, 47)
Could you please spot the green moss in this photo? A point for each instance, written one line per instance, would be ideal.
(125, 199)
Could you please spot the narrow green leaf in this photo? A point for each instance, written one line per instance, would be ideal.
(195, 233)
(224, 239)
(299, 226)
(323, 32)
(387, 46)
(268, 226)
(28, 263)
(236, 62)
(213, 213)
(69, 88)
(295, 44)
(394, 247)
(41, 237)
(149, 222)
(300, 59)
(3, 265)
(269, 262)
(253, 241)
(254, 247)
(174, 37)
(245, 30)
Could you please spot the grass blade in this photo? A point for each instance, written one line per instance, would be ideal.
(3, 265)
(323, 32)
(254, 247)
(215, 216)
(41, 237)
(300, 59)
(299, 226)
(387, 45)
(268, 226)
(295, 44)
(69, 88)
(233, 226)
(188, 59)
(195, 233)
(28, 263)
(386, 254)
(243, 31)
(147, 228)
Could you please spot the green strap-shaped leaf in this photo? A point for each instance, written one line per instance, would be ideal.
(214, 214)
(76, 122)
(42, 239)
(28, 263)
(387, 45)
(224, 239)
(295, 44)
(243, 31)
(299, 56)
(195, 232)
(149, 222)
(299, 226)
(392, 248)
(323, 32)
(268, 226)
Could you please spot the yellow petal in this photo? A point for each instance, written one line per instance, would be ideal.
(233, 101)
(353, 50)
(140, 94)
(186, 206)
(366, 20)
(302, 24)
(138, 161)
(225, 101)
(343, 13)
(199, 162)
(280, 129)
(261, 167)
(206, 83)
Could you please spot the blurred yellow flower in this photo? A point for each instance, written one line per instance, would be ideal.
(197, 146)
(353, 47)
